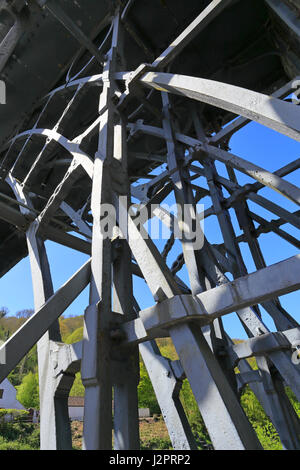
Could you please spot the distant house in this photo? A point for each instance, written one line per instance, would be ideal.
(76, 409)
(8, 395)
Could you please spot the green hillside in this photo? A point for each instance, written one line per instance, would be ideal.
(71, 331)
(24, 377)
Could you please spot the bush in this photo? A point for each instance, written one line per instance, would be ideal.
(13, 445)
(268, 436)
(19, 436)
(156, 443)
(18, 415)
(264, 428)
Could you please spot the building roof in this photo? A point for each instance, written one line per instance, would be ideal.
(76, 401)
(8, 396)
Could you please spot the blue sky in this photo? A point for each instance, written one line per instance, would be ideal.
(254, 142)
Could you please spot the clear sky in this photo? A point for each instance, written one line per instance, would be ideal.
(256, 143)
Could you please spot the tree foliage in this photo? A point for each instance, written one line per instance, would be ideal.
(72, 331)
(78, 389)
(25, 314)
(3, 312)
(19, 436)
(28, 391)
(76, 336)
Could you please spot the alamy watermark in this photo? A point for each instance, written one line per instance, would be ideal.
(155, 221)
(2, 92)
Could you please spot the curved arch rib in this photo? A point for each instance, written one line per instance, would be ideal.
(278, 115)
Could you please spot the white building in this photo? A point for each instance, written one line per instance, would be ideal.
(76, 408)
(8, 395)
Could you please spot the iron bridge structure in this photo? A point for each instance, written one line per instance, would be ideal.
(133, 103)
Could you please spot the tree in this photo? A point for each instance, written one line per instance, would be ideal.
(3, 312)
(28, 391)
(78, 389)
(26, 313)
(3, 332)
(75, 336)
